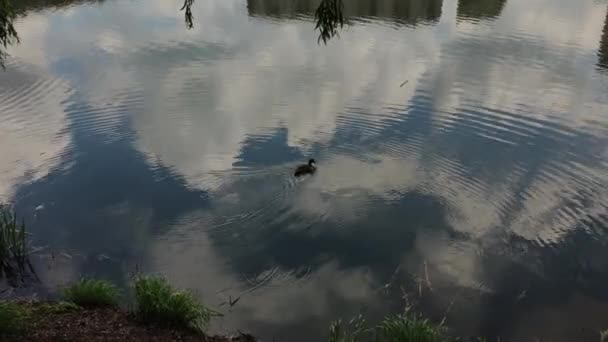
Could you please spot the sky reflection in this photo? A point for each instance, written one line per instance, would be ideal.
(146, 143)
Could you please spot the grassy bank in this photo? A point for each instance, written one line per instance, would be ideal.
(61, 321)
(90, 309)
(90, 312)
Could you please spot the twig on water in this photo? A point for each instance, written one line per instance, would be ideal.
(426, 277)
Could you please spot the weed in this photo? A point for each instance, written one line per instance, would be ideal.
(157, 302)
(408, 327)
(14, 251)
(56, 308)
(13, 319)
(92, 293)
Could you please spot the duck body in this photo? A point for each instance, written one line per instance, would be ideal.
(306, 169)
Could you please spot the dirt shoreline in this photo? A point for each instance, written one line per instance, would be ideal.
(53, 322)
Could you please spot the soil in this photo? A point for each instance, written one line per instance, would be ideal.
(103, 324)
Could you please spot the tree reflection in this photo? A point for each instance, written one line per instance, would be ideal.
(8, 34)
(480, 9)
(410, 12)
(329, 17)
(11, 9)
(23, 6)
(281, 8)
(188, 17)
(329, 14)
(603, 49)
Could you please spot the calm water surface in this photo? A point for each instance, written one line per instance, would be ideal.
(479, 188)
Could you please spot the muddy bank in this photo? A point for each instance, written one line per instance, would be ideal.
(67, 322)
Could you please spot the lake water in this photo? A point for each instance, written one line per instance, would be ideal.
(462, 148)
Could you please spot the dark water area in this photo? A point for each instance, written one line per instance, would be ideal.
(478, 189)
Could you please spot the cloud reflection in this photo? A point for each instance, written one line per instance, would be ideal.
(485, 159)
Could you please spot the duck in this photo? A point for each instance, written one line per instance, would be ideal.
(306, 169)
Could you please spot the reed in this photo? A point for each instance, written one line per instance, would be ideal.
(13, 319)
(14, 249)
(408, 327)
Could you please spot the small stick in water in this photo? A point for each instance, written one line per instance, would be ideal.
(426, 277)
